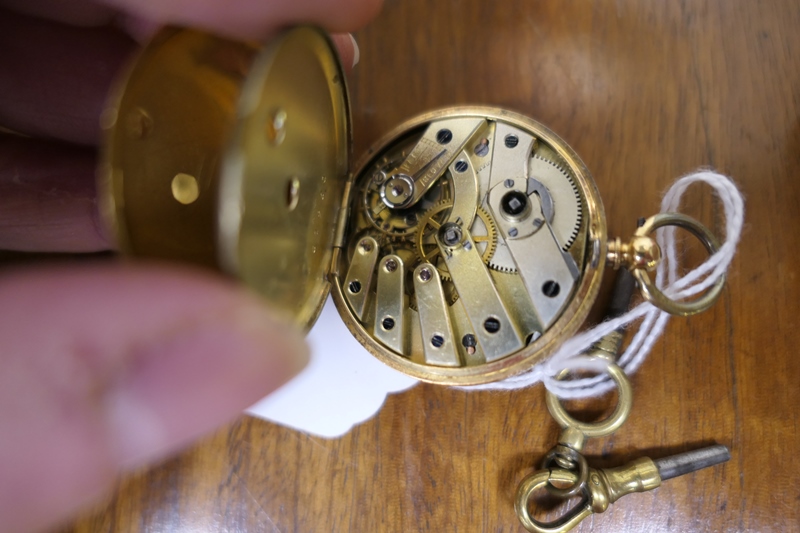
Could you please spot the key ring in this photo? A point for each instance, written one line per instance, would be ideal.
(544, 479)
(565, 472)
(567, 454)
(572, 470)
(648, 287)
(603, 427)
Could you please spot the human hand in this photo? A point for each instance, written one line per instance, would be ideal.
(106, 366)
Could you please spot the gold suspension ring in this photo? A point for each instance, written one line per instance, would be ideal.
(648, 287)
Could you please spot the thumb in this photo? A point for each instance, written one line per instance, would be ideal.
(108, 366)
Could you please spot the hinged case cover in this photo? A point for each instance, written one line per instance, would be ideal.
(234, 156)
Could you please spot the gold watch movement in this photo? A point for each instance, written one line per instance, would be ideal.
(474, 243)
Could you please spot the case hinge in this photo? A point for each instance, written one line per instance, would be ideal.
(341, 221)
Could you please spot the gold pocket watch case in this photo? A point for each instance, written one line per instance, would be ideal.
(475, 243)
(465, 247)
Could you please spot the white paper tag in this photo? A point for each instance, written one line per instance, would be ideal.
(342, 386)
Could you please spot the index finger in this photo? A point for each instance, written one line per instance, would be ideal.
(254, 19)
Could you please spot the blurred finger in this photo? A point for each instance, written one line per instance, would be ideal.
(54, 78)
(348, 50)
(76, 12)
(255, 19)
(110, 366)
(47, 197)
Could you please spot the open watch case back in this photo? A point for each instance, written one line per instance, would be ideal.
(468, 244)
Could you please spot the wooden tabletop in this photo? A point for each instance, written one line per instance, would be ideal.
(644, 92)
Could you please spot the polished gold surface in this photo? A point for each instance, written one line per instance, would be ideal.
(284, 173)
(234, 157)
(167, 127)
(642, 252)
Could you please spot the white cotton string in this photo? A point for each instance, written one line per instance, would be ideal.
(571, 354)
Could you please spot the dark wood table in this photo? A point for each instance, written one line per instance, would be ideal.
(644, 92)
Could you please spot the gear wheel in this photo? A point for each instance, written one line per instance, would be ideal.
(501, 260)
(483, 231)
(567, 205)
(401, 223)
(565, 217)
(398, 224)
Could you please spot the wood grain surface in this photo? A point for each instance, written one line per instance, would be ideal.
(644, 92)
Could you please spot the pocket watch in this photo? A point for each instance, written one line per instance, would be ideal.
(464, 247)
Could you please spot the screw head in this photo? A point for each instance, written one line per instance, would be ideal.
(451, 234)
(397, 189)
(444, 136)
(365, 246)
(491, 325)
(390, 265)
(551, 288)
(461, 166)
(514, 203)
(511, 141)
(508, 183)
(425, 274)
(437, 341)
(513, 232)
(482, 148)
(354, 287)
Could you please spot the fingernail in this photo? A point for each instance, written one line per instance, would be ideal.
(356, 51)
(196, 376)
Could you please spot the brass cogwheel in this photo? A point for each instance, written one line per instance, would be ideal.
(568, 209)
(483, 231)
(399, 224)
(565, 217)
